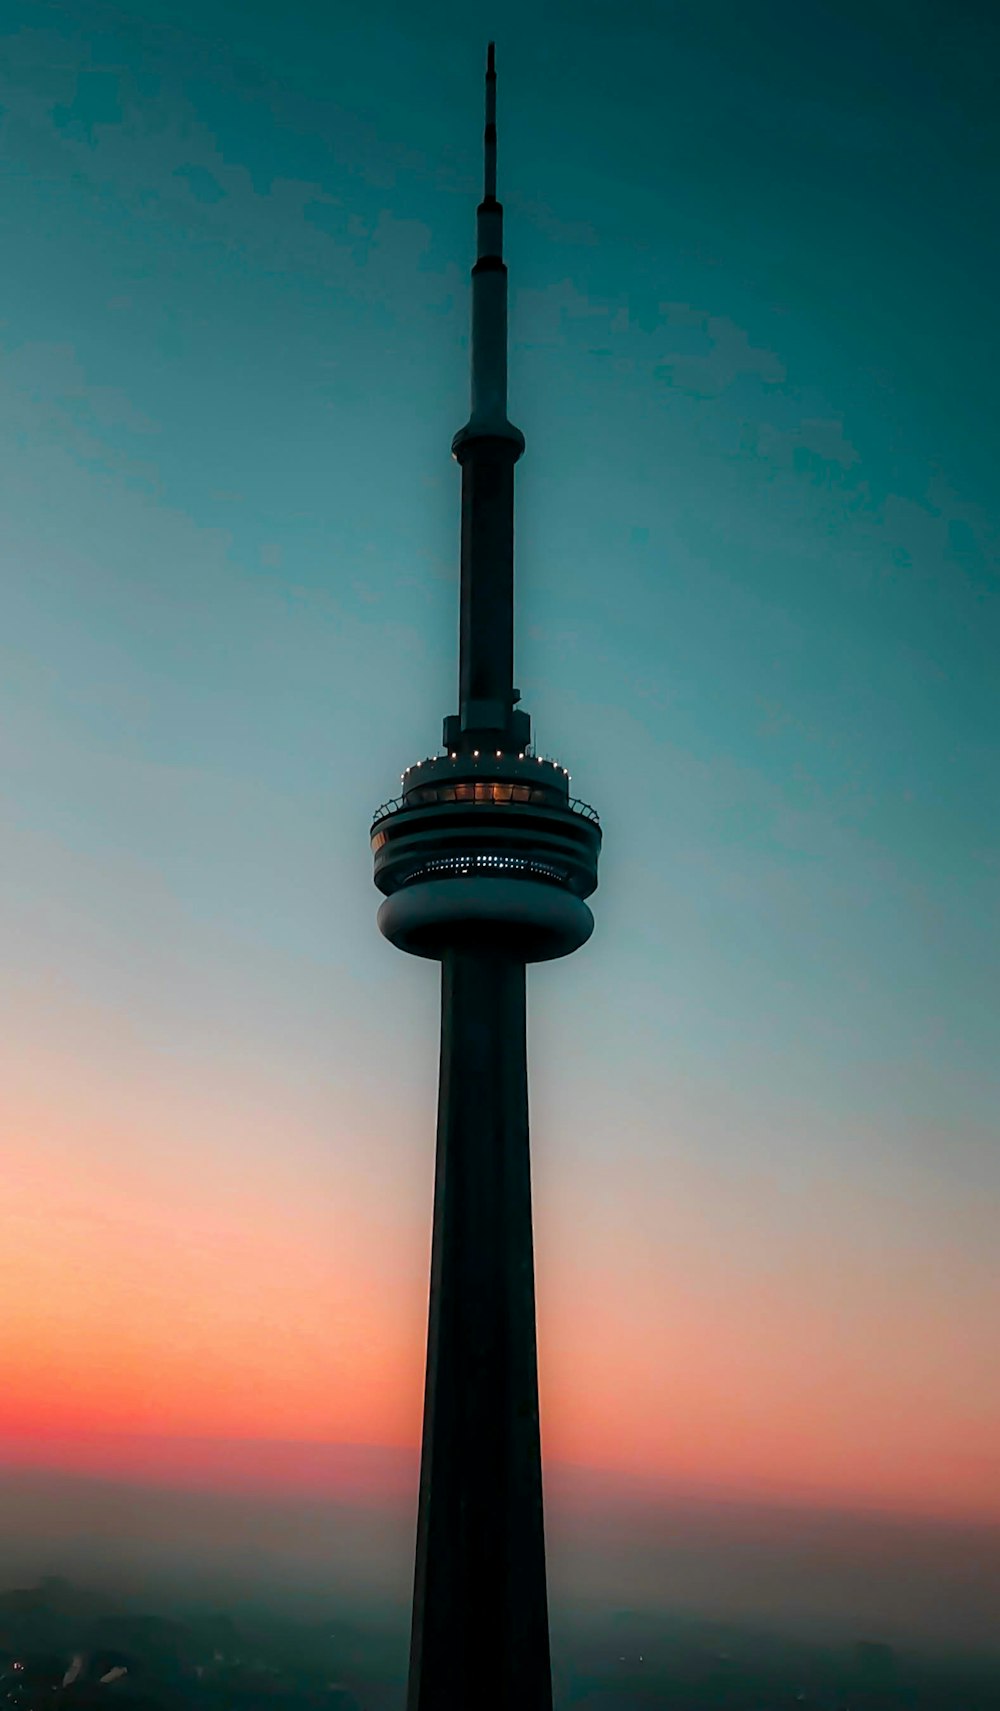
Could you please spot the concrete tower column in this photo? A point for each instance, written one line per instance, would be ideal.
(480, 1627)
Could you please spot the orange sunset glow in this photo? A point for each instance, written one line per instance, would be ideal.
(209, 1309)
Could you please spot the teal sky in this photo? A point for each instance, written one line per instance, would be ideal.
(753, 264)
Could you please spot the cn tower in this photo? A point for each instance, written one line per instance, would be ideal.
(485, 862)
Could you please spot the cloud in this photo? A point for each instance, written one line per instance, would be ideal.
(544, 313)
(718, 353)
(203, 185)
(816, 445)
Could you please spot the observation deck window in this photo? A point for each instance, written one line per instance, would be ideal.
(480, 790)
(526, 867)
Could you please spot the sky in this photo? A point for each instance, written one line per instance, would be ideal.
(753, 343)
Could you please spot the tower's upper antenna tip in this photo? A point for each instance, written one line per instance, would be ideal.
(491, 69)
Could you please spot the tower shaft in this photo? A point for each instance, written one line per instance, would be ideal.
(480, 1623)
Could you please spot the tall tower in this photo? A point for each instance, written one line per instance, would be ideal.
(484, 862)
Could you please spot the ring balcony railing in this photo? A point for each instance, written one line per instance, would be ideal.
(481, 790)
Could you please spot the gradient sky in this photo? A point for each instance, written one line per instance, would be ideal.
(753, 261)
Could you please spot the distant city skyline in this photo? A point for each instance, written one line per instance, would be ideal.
(63, 1644)
(753, 341)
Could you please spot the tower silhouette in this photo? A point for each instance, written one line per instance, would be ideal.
(485, 862)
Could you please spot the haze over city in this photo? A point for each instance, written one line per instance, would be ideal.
(752, 344)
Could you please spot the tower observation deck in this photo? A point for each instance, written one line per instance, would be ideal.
(485, 862)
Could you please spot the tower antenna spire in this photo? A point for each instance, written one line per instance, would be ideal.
(490, 133)
(487, 448)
